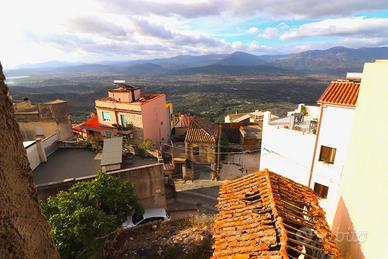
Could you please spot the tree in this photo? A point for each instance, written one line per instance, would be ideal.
(83, 216)
(24, 232)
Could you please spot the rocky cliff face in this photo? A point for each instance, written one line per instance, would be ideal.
(24, 231)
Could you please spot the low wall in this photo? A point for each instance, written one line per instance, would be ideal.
(147, 181)
(49, 144)
(41, 149)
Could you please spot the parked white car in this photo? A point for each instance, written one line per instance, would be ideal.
(149, 215)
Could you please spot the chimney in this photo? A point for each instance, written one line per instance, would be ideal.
(266, 118)
(292, 122)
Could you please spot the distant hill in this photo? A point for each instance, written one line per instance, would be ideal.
(141, 69)
(218, 69)
(336, 61)
(240, 58)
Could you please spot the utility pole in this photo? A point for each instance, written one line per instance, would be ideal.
(218, 148)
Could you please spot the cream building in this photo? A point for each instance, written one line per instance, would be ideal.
(360, 218)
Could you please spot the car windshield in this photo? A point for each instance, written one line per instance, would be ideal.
(136, 218)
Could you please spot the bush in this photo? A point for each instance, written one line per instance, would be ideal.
(147, 145)
(82, 217)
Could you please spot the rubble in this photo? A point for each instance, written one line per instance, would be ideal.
(181, 238)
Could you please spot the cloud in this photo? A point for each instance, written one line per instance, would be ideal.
(269, 33)
(341, 27)
(272, 8)
(253, 30)
(96, 25)
(188, 9)
(147, 28)
(154, 30)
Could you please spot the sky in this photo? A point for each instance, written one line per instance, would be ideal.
(92, 31)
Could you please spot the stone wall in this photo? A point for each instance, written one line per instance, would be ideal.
(148, 183)
(24, 231)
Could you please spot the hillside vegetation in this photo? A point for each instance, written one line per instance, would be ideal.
(208, 85)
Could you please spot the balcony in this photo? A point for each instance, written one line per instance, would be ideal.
(304, 124)
(123, 130)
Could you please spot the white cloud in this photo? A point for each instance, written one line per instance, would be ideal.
(269, 33)
(96, 25)
(253, 30)
(273, 8)
(92, 30)
(340, 27)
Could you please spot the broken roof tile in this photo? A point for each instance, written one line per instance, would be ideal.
(265, 215)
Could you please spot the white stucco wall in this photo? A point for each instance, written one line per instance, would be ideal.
(335, 131)
(290, 153)
(33, 156)
(287, 152)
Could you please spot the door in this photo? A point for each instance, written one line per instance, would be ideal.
(123, 120)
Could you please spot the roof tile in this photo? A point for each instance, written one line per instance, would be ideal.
(260, 214)
(344, 93)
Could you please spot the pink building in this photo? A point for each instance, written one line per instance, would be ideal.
(126, 111)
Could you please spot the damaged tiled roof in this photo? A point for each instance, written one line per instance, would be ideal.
(201, 131)
(265, 215)
(343, 93)
(181, 120)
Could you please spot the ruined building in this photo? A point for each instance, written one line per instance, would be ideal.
(43, 119)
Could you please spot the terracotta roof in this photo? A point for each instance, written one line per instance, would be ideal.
(265, 215)
(201, 131)
(182, 120)
(91, 123)
(186, 120)
(342, 93)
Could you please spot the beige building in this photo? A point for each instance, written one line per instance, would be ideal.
(360, 218)
(43, 119)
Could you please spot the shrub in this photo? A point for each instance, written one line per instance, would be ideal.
(82, 217)
(147, 145)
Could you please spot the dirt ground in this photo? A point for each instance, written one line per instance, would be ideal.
(236, 165)
(188, 238)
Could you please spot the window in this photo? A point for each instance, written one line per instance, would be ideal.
(321, 190)
(123, 120)
(136, 218)
(327, 154)
(106, 116)
(195, 151)
(148, 220)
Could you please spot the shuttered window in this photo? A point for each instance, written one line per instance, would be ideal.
(327, 154)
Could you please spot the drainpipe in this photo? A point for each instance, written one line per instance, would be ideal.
(315, 146)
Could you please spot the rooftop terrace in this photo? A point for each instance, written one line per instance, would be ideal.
(305, 122)
(74, 163)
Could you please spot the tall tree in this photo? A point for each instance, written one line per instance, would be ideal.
(24, 231)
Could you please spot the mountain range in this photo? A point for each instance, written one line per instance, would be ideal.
(336, 61)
